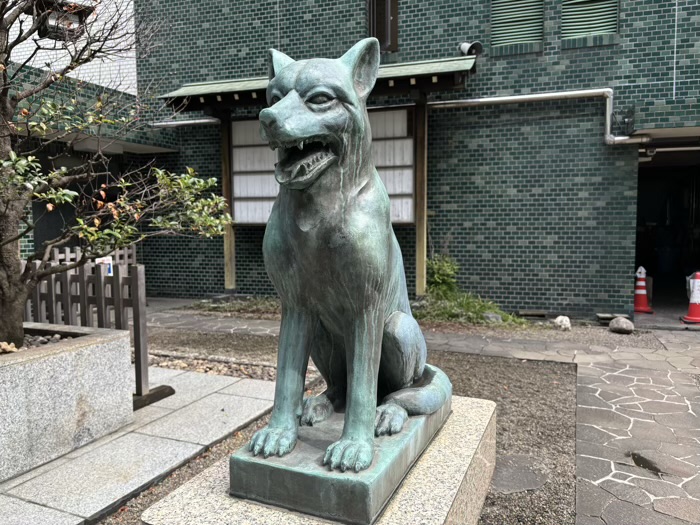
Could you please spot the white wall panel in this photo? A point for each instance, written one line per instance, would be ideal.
(255, 185)
(402, 209)
(389, 123)
(246, 133)
(253, 167)
(397, 181)
(253, 158)
(116, 71)
(389, 153)
(252, 212)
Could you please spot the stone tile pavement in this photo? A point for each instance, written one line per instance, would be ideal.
(638, 424)
(97, 478)
(189, 320)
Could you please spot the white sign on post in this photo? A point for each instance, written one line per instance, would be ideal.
(108, 261)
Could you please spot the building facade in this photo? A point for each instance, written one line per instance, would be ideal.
(546, 202)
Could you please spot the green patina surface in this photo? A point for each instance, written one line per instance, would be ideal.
(331, 253)
(550, 157)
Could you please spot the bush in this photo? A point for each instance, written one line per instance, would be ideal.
(445, 302)
(442, 276)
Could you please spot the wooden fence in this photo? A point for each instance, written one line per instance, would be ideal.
(122, 256)
(87, 296)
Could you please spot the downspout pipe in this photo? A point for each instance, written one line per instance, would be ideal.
(606, 93)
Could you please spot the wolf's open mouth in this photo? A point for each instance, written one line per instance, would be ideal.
(302, 161)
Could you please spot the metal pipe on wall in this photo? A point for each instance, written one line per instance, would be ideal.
(204, 121)
(606, 93)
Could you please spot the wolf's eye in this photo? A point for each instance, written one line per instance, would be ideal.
(321, 98)
(274, 100)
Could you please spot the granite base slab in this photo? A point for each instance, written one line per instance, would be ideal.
(446, 485)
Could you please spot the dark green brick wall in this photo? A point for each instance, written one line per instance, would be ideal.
(536, 209)
(178, 266)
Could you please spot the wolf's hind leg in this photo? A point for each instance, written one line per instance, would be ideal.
(319, 408)
(409, 387)
(390, 419)
(403, 353)
(403, 358)
(328, 355)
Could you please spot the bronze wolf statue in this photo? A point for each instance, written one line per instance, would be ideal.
(332, 255)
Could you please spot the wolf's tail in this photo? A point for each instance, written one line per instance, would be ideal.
(424, 397)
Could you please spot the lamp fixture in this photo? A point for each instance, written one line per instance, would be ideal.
(65, 20)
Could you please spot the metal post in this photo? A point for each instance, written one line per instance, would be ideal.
(138, 304)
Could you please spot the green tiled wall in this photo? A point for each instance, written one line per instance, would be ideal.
(536, 209)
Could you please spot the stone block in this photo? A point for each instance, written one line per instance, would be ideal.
(447, 484)
(252, 388)
(59, 397)
(192, 386)
(218, 415)
(14, 511)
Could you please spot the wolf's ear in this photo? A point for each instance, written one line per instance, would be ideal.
(363, 61)
(278, 61)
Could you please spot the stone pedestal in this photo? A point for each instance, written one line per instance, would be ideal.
(299, 481)
(446, 485)
(59, 397)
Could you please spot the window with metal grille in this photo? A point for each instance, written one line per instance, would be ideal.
(516, 21)
(384, 23)
(588, 17)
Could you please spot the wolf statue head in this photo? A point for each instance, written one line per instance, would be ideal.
(317, 119)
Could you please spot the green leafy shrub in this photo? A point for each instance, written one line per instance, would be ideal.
(442, 276)
(445, 302)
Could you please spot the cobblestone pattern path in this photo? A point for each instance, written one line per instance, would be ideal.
(638, 416)
(192, 321)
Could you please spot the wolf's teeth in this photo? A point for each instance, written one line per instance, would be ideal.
(301, 145)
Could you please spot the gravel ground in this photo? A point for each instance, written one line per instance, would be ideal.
(244, 348)
(579, 333)
(536, 416)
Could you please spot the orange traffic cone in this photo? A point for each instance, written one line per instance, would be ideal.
(694, 306)
(641, 305)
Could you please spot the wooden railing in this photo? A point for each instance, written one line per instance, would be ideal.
(121, 256)
(87, 296)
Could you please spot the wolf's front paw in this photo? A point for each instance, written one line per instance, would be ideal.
(273, 441)
(316, 409)
(349, 454)
(390, 419)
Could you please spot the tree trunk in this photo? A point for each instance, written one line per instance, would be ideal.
(12, 316)
(13, 293)
(13, 200)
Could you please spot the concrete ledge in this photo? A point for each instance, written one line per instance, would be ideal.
(56, 398)
(447, 485)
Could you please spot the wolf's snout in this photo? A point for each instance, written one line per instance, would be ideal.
(268, 122)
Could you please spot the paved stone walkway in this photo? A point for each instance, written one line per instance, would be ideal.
(192, 321)
(95, 479)
(638, 417)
